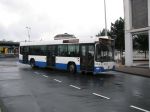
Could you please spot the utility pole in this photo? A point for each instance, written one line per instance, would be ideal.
(105, 18)
(28, 28)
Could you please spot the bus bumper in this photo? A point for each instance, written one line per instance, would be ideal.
(98, 70)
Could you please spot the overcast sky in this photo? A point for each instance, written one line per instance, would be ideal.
(83, 18)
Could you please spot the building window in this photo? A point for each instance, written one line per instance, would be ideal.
(139, 13)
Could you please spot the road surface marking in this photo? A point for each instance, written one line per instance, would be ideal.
(139, 108)
(45, 75)
(57, 80)
(74, 86)
(100, 96)
(0, 110)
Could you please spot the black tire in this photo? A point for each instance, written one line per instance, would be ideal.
(72, 68)
(32, 63)
(83, 72)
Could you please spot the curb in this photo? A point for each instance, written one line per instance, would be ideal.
(134, 71)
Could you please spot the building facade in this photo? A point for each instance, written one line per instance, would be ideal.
(8, 48)
(137, 21)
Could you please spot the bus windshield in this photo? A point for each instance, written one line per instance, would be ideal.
(104, 53)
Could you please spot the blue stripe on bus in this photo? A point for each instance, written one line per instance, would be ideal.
(78, 68)
(40, 64)
(101, 69)
(62, 66)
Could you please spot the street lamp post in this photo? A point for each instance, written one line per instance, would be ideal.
(105, 18)
(114, 42)
(28, 28)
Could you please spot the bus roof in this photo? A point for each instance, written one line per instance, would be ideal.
(56, 42)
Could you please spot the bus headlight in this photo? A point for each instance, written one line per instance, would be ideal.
(97, 69)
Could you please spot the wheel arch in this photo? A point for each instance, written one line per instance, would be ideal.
(72, 62)
(32, 59)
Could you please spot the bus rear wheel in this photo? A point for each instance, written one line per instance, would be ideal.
(32, 63)
(72, 68)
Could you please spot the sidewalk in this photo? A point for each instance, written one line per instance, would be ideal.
(134, 70)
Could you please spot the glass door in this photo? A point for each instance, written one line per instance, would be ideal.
(87, 57)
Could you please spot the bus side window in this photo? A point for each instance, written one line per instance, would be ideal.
(62, 50)
(91, 50)
(71, 50)
(83, 51)
(43, 50)
(51, 50)
(25, 49)
(77, 50)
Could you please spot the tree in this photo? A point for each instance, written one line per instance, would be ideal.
(117, 33)
(141, 43)
(102, 33)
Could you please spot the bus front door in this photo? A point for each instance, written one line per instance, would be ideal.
(51, 56)
(87, 58)
(25, 58)
(25, 54)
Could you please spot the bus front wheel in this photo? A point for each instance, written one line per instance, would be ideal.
(72, 68)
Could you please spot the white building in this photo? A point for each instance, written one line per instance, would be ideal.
(137, 20)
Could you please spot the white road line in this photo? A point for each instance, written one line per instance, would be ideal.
(57, 80)
(45, 76)
(74, 86)
(139, 108)
(101, 96)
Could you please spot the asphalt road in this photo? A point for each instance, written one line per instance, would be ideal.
(23, 89)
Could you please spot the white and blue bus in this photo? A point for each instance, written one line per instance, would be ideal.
(95, 55)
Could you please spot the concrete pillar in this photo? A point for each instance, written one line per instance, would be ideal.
(128, 36)
(127, 15)
(149, 48)
(128, 49)
(149, 30)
